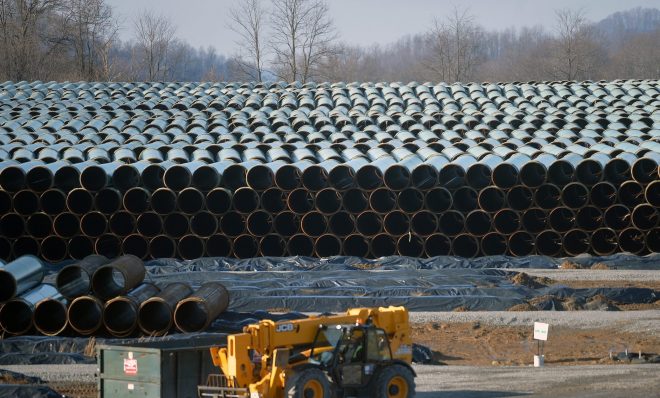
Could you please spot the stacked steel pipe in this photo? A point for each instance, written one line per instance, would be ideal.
(226, 169)
(98, 295)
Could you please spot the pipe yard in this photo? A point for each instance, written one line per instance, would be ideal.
(175, 213)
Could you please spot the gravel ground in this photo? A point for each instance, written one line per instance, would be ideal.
(630, 381)
(593, 274)
(598, 381)
(630, 321)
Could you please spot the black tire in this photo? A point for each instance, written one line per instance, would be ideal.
(309, 383)
(394, 381)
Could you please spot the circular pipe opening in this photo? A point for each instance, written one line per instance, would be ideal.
(438, 200)
(50, 317)
(273, 200)
(300, 245)
(162, 246)
(85, 315)
(604, 241)
(80, 247)
(259, 223)
(451, 223)
(218, 246)
(494, 244)
(136, 245)
(341, 224)
(355, 200)
(191, 247)
(218, 201)
(410, 245)
(356, 245)
(288, 177)
(54, 249)
(177, 178)
(411, 200)
(437, 245)
(126, 177)
(80, 201)
(315, 178)
(369, 177)
(245, 246)
(327, 245)
(272, 245)
(26, 202)
(155, 317)
(465, 246)
(382, 200)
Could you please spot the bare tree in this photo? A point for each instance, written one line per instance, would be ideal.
(155, 37)
(302, 37)
(91, 30)
(248, 20)
(26, 37)
(576, 50)
(454, 46)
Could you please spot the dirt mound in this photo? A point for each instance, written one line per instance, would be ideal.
(522, 307)
(534, 282)
(601, 266)
(570, 265)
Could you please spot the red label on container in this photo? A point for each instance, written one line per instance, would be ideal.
(130, 366)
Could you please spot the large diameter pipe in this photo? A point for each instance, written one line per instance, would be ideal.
(341, 224)
(108, 245)
(97, 176)
(54, 249)
(17, 314)
(19, 276)
(272, 245)
(121, 223)
(162, 246)
(176, 225)
(410, 245)
(148, 224)
(547, 196)
(478, 222)
(368, 223)
(300, 201)
(74, 280)
(576, 242)
(204, 224)
(617, 217)
(520, 198)
(491, 199)
(273, 200)
(120, 314)
(411, 200)
(93, 224)
(218, 201)
(232, 224)
(39, 225)
(589, 218)
(50, 315)
(632, 240)
(561, 219)
(494, 244)
(79, 201)
(645, 170)
(286, 223)
(549, 243)
(155, 314)
(52, 201)
(603, 195)
(191, 201)
(85, 315)
(382, 245)
(260, 223)
(328, 201)
(191, 247)
(118, 277)
(26, 202)
(315, 177)
(25, 245)
(451, 223)
(245, 246)
(521, 243)
(136, 245)
(355, 200)
(575, 195)
(465, 199)
(288, 177)
(604, 241)
(356, 245)
(424, 223)
(382, 200)
(424, 176)
(438, 199)
(437, 245)
(396, 223)
(300, 245)
(327, 245)
(163, 201)
(196, 312)
(534, 220)
(12, 225)
(314, 224)
(80, 247)
(465, 245)
(645, 217)
(218, 245)
(108, 200)
(652, 194)
(631, 193)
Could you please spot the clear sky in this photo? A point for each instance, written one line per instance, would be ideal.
(364, 22)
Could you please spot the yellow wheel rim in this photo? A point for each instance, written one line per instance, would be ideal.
(397, 387)
(313, 389)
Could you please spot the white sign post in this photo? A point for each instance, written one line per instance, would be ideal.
(541, 336)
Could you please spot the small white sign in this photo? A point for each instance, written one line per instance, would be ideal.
(131, 386)
(541, 331)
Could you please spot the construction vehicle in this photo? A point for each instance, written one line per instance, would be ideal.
(365, 352)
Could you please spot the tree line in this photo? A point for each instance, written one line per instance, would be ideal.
(297, 40)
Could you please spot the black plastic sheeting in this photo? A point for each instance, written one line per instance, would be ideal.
(27, 391)
(299, 263)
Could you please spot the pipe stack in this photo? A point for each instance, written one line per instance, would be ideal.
(97, 295)
(267, 169)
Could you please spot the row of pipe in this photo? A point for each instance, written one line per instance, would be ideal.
(421, 168)
(374, 244)
(97, 294)
(218, 201)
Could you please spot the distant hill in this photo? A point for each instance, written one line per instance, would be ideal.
(618, 27)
